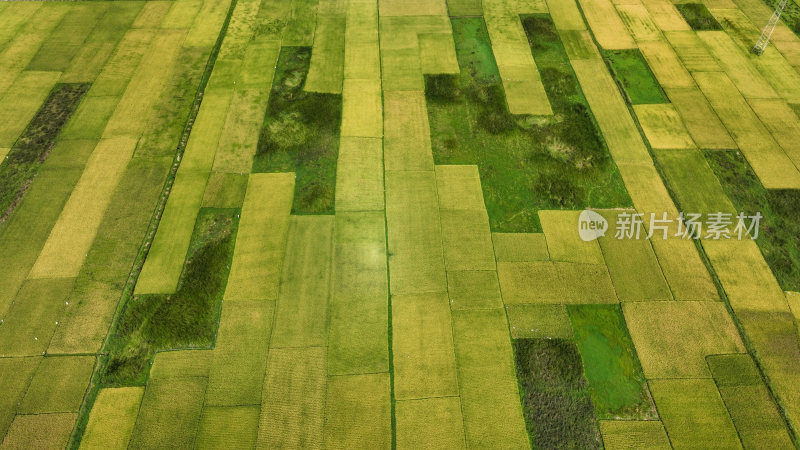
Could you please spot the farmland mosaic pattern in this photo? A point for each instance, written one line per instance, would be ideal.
(354, 224)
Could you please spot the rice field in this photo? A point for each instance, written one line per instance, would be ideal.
(362, 224)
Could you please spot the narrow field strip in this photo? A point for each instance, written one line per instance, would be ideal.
(327, 56)
(359, 174)
(620, 434)
(663, 127)
(21, 102)
(545, 282)
(16, 374)
(362, 111)
(407, 142)
(700, 119)
(666, 66)
(66, 40)
(117, 72)
(362, 57)
(736, 65)
(72, 235)
(692, 52)
(113, 417)
(606, 25)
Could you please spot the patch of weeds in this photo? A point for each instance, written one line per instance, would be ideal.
(527, 163)
(780, 226)
(698, 17)
(556, 403)
(616, 381)
(632, 71)
(187, 318)
(301, 134)
(32, 147)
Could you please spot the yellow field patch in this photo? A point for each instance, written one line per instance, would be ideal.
(545, 282)
(170, 413)
(58, 385)
(361, 51)
(152, 14)
(358, 410)
(663, 126)
(416, 259)
(257, 56)
(238, 140)
(182, 14)
(701, 121)
(21, 101)
(119, 69)
(40, 431)
(112, 418)
(407, 145)
(779, 73)
(430, 423)
(206, 27)
(782, 123)
(665, 15)
(736, 65)
(470, 289)
(692, 52)
(437, 53)
(606, 25)
(228, 426)
(489, 396)
(634, 434)
(685, 272)
(362, 112)
(539, 321)
(520, 247)
(164, 262)
(563, 240)
(459, 187)
(206, 131)
(181, 363)
(673, 338)
(578, 44)
(3, 153)
(327, 56)
(566, 15)
(413, 8)
(255, 270)
(424, 363)
(72, 235)
(639, 22)
(770, 163)
(293, 406)
(359, 174)
(401, 69)
(665, 65)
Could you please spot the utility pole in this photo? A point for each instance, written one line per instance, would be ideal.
(763, 41)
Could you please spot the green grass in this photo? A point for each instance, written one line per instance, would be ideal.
(556, 402)
(616, 381)
(698, 17)
(631, 70)
(187, 318)
(790, 15)
(33, 146)
(538, 162)
(301, 134)
(780, 225)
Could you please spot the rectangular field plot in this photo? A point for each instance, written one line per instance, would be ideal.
(170, 413)
(473, 289)
(566, 15)
(293, 406)
(181, 363)
(358, 327)
(424, 364)
(701, 121)
(327, 56)
(359, 174)
(40, 431)
(228, 426)
(639, 22)
(238, 141)
(437, 53)
(634, 434)
(358, 410)
(112, 418)
(90, 118)
(407, 143)
(416, 259)
(555, 283)
(58, 50)
(430, 423)
(118, 70)
(673, 338)
(539, 321)
(686, 404)
(225, 190)
(301, 313)
(206, 131)
(666, 66)
(693, 182)
(58, 385)
(563, 240)
(734, 62)
(692, 52)
(782, 123)
(520, 247)
(255, 271)
(21, 101)
(490, 399)
(663, 126)
(362, 112)
(606, 25)
(31, 319)
(16, 374)
(240, 355)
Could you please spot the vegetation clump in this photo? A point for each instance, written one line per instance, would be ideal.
(698, 17)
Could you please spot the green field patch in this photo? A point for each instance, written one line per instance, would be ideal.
(663, 127)
(780, 208)
(358, 410)
(16, 374)
(556, 398)
(691, 51)
(118, 70)
(170, 413)
(225, 426)
(616, 382)
(416, 260)
(326, 69)
(40, 431)
(255, 271)
(58, 385)
(698, 16)
(206, 131)
(471, 289)
(151, 14)
(112, 418)
(301, 134)
(548, 163)
(301, 24)
(358, 323)
(545, 282)
(701, 121)
(633, 73)
(181, 14)
(240, 353)
(693, 183)
(206, 28)
(490, 400)
(685, 404)
(301, 313)
(293, 406)
(67, 38)
(673, 338)
(30, 150)
(539, 321)
(755, 416)
(520, 247)
(165, 258)
(99, 285)
(225, 190)
(430, 423)
(33, 317)
(186, 318)
(359, 174)
(424, 365)
(90, 118)
(73, 234)
(634, 434)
